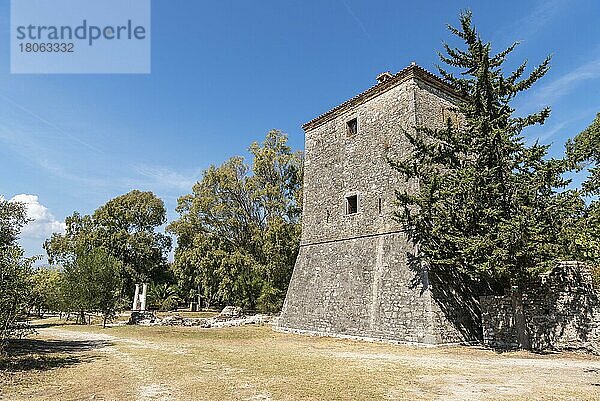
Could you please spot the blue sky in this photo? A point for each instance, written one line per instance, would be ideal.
(226, 72)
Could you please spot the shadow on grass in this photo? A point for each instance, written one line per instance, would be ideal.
(514, 350)
(40, 325)
(32, 354)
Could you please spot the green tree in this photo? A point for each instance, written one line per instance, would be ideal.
(485, 204)
(582, 233)
(12, 219)
(163, 297)
(80, 234)
(15, 270)
(238, 232)
(583, 152)
(46, 292)
(92, 283)
(127, 227)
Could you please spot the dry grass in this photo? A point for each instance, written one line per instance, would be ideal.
(255, 363)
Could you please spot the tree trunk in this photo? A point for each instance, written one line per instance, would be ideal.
(82, 316)
(520, 324)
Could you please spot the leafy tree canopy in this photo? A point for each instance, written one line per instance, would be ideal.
(238, 231)
(583, 151)
(12, 219)
(582, 235)
(126, 228)
(91, 282)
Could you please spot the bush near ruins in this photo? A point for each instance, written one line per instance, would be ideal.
(239, 230)
(163, 297)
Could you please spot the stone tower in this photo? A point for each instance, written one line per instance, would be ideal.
(352, 277)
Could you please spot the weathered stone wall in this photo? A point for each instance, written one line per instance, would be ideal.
(336, 165)
(360, 287)
(561, 311)
(353, 275)
(498, 322)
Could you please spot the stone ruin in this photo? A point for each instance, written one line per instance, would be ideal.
(559, 311)
(230, 316)
(138, 308)
(139, 299)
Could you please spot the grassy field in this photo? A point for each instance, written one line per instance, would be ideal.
(68, 362)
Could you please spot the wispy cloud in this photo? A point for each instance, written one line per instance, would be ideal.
(560, 87)
(49, 124)
(33, 139)
(551, 131)
(166, 178)
(542, 14)
(355, 18)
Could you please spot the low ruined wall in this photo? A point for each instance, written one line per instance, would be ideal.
(560, 311)
(498, 322)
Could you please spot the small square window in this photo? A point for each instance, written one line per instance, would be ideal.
(450, 114)
(352, 127)
(352, 204)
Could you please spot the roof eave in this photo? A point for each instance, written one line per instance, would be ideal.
(411, 72)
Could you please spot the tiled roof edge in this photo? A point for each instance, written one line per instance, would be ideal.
(412, 71)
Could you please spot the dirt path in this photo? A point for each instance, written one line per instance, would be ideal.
(253, 363)
(141, 374)
(480, 377)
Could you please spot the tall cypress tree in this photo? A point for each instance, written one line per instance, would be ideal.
(486, 204)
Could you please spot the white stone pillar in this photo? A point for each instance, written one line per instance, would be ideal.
(143, 300)
(136, 298)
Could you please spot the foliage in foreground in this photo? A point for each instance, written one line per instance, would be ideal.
(239, 230)
(15, 270)
(486, 204)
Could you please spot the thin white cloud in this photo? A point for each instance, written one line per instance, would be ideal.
(155, 178)
(550, 132)
(53, 127)
(166, 178)
(558, 88)
(43, 223)
(353, 15)
(541, 16)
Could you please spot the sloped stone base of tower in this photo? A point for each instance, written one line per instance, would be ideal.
(365, 287)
